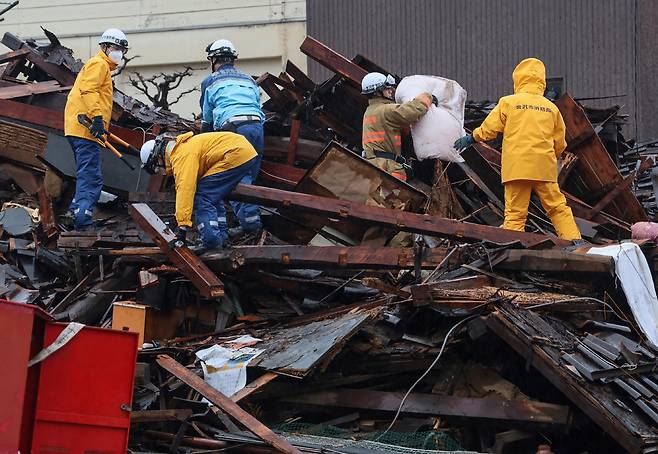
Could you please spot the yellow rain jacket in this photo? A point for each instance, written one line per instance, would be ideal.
(532, 126)
(198, 156)
(91, 95)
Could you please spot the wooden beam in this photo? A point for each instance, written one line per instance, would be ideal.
(254, 386)
(147, 416)
(14, 55)
(60, 73)
(360, 257)
(226, 405)
(187, 262)
(294, 139)
(54, 119)
(595, 170)
(556, 261)
(332, 60)
(20, 90)
(486, 408)
(612, 195)
(400, 220)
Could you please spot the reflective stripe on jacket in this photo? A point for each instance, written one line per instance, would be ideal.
(198, 156)
(91, 95)
(383, 122)
(532, 126)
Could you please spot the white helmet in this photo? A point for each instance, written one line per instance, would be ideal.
(114, 36)
(146, 151)
(221, 48)
(373, 82)
(157, 152)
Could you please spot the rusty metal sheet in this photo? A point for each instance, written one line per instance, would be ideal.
(226, 404)
(187, 262)
(298, 350)
(344, 175)
(339, 173)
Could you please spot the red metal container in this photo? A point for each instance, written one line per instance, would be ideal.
(21, 337)
(85, 393)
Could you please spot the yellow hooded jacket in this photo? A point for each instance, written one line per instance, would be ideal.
(532, 126)
(198, 156)
(91, 95)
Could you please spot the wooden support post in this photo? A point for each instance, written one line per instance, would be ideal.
(47, 214)
(294, 139)
(226, 404)
(187, 262)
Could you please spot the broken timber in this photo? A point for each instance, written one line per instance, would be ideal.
(332, 60)
(401, 220)
(521, 329)
(596, 173)
(226, 404)
(556, 261)
(187, 262)
(486, 408)
(323, 257)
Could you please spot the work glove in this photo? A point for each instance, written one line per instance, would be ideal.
(181, 237)
(435, 101)
(464, 142)
(206, 127)
(97, 127)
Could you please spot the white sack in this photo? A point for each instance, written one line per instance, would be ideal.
(435, 133)
(636, 280)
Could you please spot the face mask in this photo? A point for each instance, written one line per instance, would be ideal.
(116, 56)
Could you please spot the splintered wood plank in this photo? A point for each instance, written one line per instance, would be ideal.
(226, 404)
(332, 60)
(20, 90)
(187, 262)
(253, 386)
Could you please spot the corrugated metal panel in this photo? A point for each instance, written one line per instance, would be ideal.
(591, 43)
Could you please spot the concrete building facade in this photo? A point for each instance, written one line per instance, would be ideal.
(170, 34)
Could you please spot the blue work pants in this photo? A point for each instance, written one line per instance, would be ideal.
(209, 212)
(89, 180)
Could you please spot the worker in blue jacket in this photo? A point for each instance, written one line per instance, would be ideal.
(230, 101)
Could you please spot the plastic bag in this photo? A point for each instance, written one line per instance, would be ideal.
(435, 133)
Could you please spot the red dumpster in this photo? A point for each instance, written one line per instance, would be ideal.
(21, 337)
(85, 393)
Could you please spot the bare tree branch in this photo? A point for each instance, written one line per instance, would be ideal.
(120, 69)
(158, 88)
(183, 94)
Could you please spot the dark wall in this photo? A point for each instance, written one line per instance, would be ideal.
(593, 44)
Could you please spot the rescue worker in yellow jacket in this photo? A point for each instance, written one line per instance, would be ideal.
(206, 168)
(91, 96)
(533, 139)
(384, 121)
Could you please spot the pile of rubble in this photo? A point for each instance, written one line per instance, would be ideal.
(473, 338)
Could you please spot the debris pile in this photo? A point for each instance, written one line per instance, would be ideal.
(321, 337)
